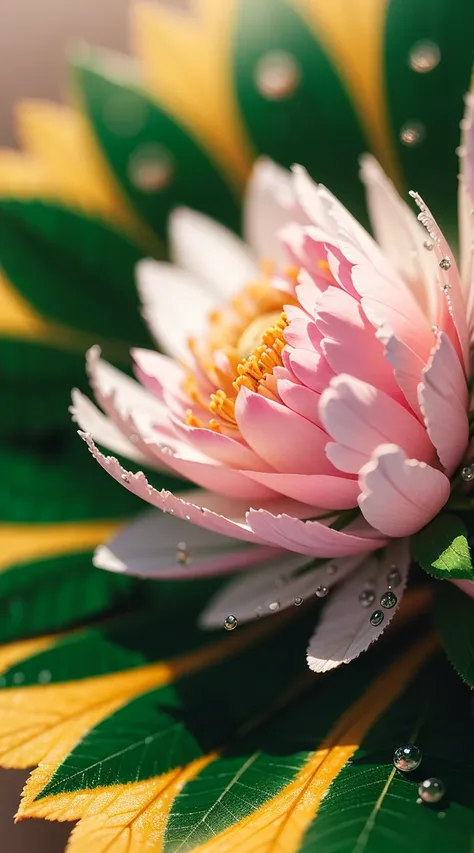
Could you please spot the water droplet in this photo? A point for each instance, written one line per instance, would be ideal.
(367, 597)
(124, 478)
(44, 676)
(428, 245)
(274, 606)
(298, 602)
(388, 599)
(424, 56)
(331, 569)
(394, 577)
(446, 288)
(259, 613)
(434, 329)
(467, 473)
(182, 554)
(187, 518)
(230, 623)
(18, 678)
(277, 75)
(377, 618)
(407, 757)
(321, 591)
(151, 168)
(445, 264)
(432, 790)
(412, 133)
(125, 113)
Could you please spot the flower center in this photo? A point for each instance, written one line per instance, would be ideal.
(243, 345)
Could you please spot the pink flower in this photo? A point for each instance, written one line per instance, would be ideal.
(322, 409)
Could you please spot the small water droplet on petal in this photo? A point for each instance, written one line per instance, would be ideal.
(394, 577)
(428, 245)
(274, 606)
(124, 478)
(298, 602)
(388, 600)
(366, 597)
(277, 75)
(44, 676)
(331, 569)
(467, 473)
(377, 618)
(445, 263)
(150, 168)
(412, 133)
(182, 554)
(321, 591)
(230, 623)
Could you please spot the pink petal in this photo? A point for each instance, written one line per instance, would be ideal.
(90, 419)
(444, 400)
(310, 537)
(285, 440)
(313, 489)
(301, 332)
(399, 495)
(158, 372)
(270, 202)
(407, 366)
(345, 630)
(156, 545)
(256, 593)
(466, 586)
(300, 399)
(360, 418)
(311, 368)
(221, 448)
(350, 344)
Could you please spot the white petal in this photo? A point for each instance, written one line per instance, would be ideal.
(252, 595)
(270, 203)
(345, 630)
(176, 305)
(211, 252)
(90, 419)
(160, 546)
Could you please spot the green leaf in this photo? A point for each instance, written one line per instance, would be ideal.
(454, 612)
(154, 142)
(171, 726)
(72, 268)
(50, 595)
(371, 806)
(36, 382)
(147, 635)
(433, 100)
(315, 124)
(442, 548)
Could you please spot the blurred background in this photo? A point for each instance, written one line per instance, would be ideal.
(33, 37)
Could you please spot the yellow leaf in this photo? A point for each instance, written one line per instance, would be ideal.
(353, 35)
(186, 62)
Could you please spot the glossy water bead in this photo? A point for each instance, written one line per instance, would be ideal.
(407, 757)
(230, 623)
(432, 790)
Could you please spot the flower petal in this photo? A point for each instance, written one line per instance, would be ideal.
(359, 417)
(314, 489)
(211, 252)
(285, 440)
(270, 203)
(176, 305)
(268, 590)
(158, 373)
(90, 419)
(159, 546)
(444, 400)
(399, 495)
(345, 629)
(311, 537)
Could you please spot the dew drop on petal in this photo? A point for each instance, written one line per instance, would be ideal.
(388, 600)
(394, 577)
(434, 328)
(277, 75)
(412, 133)
(428, 245)
(432, 790)
(331, 569)
(467, 473)
(366, 597)
(321, 591)
(298, 602)
(183, 556)
(124, 478)
(445, 263)
(377, 618)
(407, 758)
(274, 606)
(230, 623)
(424, 56)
